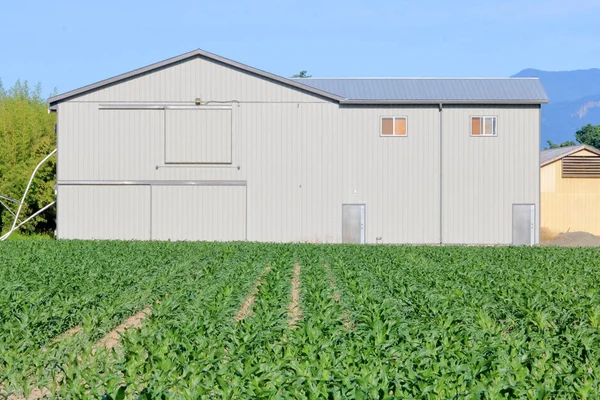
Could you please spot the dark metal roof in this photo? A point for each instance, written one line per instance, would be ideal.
(432, 90)
(365, 90)
(551, 155)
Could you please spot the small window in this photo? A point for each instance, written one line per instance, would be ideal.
(484, 126)
(393, 126)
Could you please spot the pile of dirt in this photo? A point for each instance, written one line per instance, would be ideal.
(574, 239)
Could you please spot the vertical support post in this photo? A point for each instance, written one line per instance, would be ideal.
(441, 110)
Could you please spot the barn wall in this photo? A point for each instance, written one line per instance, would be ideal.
(569, 204)
(301, 157)
(584, 153)
(103, 212)
(198, 78)
(302, 161)
(199, 213)
(484, 176)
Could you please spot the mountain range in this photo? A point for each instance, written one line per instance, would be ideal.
(574, 101)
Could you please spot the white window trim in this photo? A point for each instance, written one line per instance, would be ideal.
(393, 117)
(483, 125)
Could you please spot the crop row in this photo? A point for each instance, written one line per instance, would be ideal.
(371, 321)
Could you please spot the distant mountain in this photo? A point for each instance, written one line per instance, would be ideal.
(574, 101)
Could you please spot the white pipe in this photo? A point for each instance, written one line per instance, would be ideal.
(9, 210)
(41, 210)
(9, 199)
(27, 190)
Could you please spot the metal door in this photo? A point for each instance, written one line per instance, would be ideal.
(523, 223)
(353, 223)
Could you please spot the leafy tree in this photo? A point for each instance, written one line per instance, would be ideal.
(302, 74)
(590, 135)
(552, 145)
(26, 137)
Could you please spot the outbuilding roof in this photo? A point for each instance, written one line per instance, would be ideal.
(551, 155)
(428, 90)
(365, 90)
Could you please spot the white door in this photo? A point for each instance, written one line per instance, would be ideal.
(353, 223)
(523, 224)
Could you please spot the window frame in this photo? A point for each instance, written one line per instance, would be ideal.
(483, 117)
(393, 118)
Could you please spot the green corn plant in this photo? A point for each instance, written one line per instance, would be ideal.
(377, 321)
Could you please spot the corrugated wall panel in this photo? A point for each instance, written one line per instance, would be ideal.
(109, 144)
(569, 204)
(285, 160)
(302, 162)
(303, 158)
(198, 213)
(103, 212)
(198, 136)
(396, 177)
(484, 176)
(198, 78)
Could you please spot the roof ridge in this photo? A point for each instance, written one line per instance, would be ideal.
(457, 90)
(562, 152)
(183, 57)
(419, 78)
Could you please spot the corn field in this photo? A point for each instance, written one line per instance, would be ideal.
(118, 320)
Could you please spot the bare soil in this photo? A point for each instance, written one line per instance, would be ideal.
(111, 340)
(574, 239)
(38, 393)
(547, 235)
(246, 309)
(66, 334)
(34, 395)
(294, 311)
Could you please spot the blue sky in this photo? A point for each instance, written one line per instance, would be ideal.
(68, 44)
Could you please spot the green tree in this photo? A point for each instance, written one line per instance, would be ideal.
(590, 135)
(302, 74)
(26, 137)
(552, 145)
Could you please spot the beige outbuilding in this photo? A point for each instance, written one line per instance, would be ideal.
(570, 190)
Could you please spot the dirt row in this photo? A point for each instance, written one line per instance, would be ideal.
(294, 310)
(111, 340)
(246, 309)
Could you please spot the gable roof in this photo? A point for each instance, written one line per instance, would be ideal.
(433, 90)
(192, 54)
(551, 155)
(365, 90)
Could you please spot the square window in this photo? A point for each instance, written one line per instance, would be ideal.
(393, 126)
(484, 126)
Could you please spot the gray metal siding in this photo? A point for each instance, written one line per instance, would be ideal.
(484, 176)
(303, 158)
(396, 177)
(197, 78)
(109, 144)
(104, 212)
(198, 136)
(55, 100)
(199, 213)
